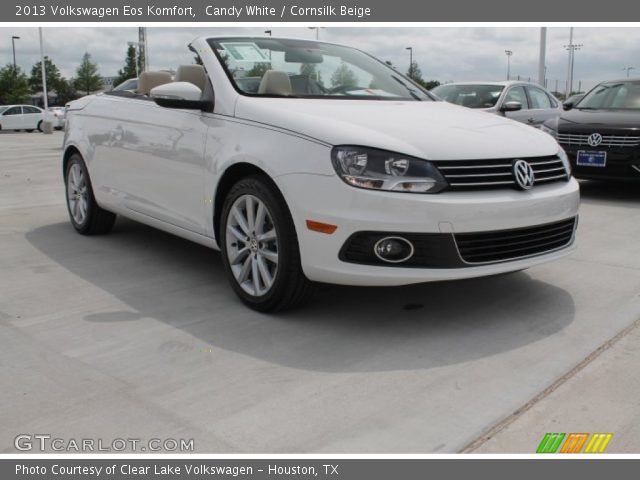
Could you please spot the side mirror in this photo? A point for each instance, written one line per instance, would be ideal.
(567, 105)
(184, 95)
(511, 107)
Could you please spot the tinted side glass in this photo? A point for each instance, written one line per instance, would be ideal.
(14, 111)
(517, 94)
(539, 98)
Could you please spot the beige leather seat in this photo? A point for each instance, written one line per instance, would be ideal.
(149, 80)
(275, 82)
(193, 74)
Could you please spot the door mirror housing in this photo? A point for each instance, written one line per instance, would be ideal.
(567, 105)
(511, 107)
(183, 95)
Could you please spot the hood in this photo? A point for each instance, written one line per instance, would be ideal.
(587, 121)
(430, 130)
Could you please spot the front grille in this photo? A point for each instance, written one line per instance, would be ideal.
(580, 139)
(503, 245)
(497, 173)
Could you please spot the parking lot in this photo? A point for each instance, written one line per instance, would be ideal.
(138, 334)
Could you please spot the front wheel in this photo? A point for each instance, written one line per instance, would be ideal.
(260, 249)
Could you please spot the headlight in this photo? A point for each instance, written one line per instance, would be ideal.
(550, 131)
(565, 161)
(379, 170)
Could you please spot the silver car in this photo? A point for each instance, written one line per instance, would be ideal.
(522, 101)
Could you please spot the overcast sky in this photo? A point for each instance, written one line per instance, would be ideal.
(443, 53)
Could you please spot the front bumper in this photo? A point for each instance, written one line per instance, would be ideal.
(622, 164)
(329, 200)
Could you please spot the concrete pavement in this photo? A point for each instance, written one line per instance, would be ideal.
(137, 334)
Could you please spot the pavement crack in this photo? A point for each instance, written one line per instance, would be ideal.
(515, 415)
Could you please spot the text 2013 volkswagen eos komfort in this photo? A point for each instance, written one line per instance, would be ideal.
(311, 162)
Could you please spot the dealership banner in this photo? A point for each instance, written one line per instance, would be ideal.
(189, 468)
(150, 11)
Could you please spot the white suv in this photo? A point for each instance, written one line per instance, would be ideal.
(311, 162)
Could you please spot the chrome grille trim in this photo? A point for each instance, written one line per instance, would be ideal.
(497, 173)
(580, 139)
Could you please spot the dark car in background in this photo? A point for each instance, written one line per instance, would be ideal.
(601, 133)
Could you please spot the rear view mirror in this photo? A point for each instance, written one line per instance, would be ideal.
(183, 95)
(511, 107)
(302, 55)
(567, 105)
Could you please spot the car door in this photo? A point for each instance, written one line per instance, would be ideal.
(542, 108)
(518, 94)
(157, 162)
(31, 117)
(12, 119)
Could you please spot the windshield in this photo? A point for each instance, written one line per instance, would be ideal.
(617, 95)
(307, 69)
(2, 109)
(472, 96)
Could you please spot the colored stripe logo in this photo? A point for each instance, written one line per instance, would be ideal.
(574, 443)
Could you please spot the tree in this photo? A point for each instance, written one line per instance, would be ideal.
(344, 76)
(88, 78)
(414, 73)
(311, 71)
(53, 76)
(66, 91)
(431, 84)
(259, 69)
(129, 70)
(14, 85)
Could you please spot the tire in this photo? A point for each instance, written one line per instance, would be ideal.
(29, 131)
(39, 127)
(249, 248)
(85, 214)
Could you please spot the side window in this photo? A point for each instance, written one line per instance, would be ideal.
(31, 110)
(554, 102)
(14, 111)
(539, 98)
(517, 94)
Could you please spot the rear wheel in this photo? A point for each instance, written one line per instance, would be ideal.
(39, 127)
(260, 249)
(85, 214)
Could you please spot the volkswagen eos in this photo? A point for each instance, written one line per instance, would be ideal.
(305, 162)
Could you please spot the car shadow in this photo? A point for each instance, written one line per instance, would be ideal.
(341, 329)
(599, 192)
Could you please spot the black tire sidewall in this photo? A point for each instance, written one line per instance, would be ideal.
(84, 226)
(39, 127)
(288, 254)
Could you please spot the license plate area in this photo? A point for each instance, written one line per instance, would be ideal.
(590, 158)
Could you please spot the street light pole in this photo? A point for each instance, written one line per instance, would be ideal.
(268, 32)
(13, 44)
(410, 60)
(508, 53)
(628, 69)
(542, 56)
(572, 47)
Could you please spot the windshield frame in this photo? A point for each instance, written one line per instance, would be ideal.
(429, 96)
(608, 84)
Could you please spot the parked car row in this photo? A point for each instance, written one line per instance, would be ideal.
(599, 130)
(29, 117)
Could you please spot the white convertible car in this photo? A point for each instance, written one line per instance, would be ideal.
(307, 162)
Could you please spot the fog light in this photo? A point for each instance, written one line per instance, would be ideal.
(393, 249)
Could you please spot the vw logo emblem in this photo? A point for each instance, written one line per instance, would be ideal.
(594, 139)
(523, 174)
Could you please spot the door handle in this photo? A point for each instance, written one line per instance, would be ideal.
(531, 120)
